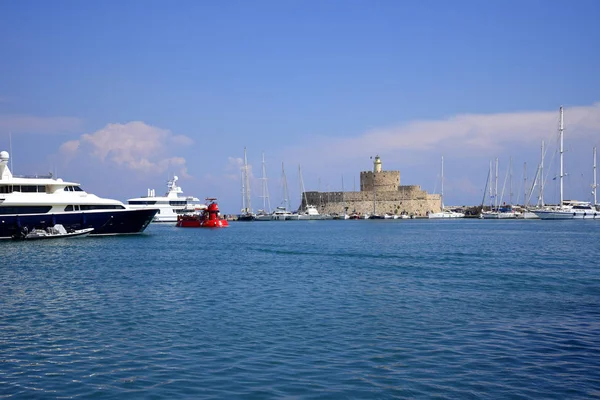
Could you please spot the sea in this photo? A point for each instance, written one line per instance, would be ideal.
(409, 309)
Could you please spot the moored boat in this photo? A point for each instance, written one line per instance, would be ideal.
(169, 206)
(43, 201)
(210, 217)
(53, 232)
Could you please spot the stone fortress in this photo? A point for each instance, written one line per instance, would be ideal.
(380, 193)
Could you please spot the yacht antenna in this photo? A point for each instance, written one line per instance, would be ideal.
(11, 152)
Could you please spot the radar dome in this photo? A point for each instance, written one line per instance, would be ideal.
(3, 155)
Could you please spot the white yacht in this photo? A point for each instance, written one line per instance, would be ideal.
(281, 214)
(505, 212)
(169, 206)
(570, 209)
(40, 202)
(567, 209)
(311, 213)
(446, 214)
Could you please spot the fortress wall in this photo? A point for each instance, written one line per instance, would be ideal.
(409, 200)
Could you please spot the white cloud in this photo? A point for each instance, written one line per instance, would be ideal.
(481, 133)
(234, 168)
(17, 124)
(134, 145)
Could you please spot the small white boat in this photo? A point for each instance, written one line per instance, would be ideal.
(54, 232)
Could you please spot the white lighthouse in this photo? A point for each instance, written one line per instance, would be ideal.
(377, 164)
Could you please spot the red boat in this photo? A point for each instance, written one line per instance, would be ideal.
(207, 218)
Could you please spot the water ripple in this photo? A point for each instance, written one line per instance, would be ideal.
(410, 309)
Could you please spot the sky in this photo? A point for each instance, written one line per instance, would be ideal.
(120, 96)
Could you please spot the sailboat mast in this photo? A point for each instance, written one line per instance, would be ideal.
(510, 192)
(595, 185)
(442, 193)
(286, 194)
(491, 196)
(265, 187)
(525, 197)
(343, 196)
(496, 186)
(542, 177)
(302, 190)
(246, 185)
(244, 209)
(561, 129)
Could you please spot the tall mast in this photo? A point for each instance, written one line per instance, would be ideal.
(244, 209)
(246, 185)
(302, 190)
(343, 195)
(491, 196)
(496, 188)
(542, 177)
(524, 184)
(595, 185)
(561, 129)
(487, 185)
(286, 194)
(265, 187)
(442, 193)
(510, 193)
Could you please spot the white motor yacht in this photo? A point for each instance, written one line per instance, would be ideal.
(40, 202)
(169, 206)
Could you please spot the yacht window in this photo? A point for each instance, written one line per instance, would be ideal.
(16, 188)
(101, 207)
(143, 202)
(5, 210)
(177, 203)
(29, 188)
(77, 189)
(5, 189)
(69, 208)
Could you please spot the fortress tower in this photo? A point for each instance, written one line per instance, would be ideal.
(379, 180)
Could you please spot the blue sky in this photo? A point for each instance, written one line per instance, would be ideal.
(121, 95)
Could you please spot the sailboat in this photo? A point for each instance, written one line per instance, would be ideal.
(500, 211)
(265, 213)
(247, 214)
(445, 213)
(282, 213)
(567, 209)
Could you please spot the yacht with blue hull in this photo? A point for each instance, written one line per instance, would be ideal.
(43, 201)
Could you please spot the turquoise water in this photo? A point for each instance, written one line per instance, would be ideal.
(316, 309)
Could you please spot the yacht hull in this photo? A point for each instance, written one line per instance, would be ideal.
(113, 222)
(554, 214)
